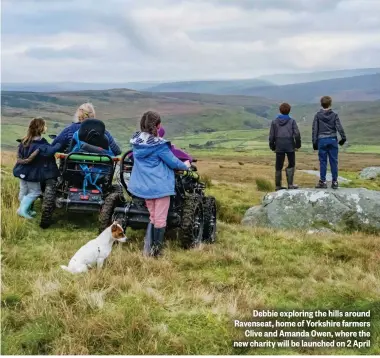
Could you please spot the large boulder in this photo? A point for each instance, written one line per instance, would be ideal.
(370, 173)
(309, 208)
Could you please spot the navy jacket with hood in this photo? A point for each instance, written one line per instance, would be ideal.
(152, 175)
(284, 135)
(326, 124)
(43, 166)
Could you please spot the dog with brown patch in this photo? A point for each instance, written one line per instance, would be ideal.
(95, 252)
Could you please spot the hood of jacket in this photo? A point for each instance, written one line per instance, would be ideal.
(326, 115)
(283, 119)
(144, 144)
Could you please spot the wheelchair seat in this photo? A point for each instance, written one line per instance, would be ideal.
(92, 131)
(89, 138)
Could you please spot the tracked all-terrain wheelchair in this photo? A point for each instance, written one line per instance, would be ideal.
(87, 171)
(192, 214)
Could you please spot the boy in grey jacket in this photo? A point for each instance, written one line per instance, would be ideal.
(284, 139)
(326, 124)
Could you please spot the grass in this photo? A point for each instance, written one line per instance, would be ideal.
(357, 182)
(264, 185)
(184, 303)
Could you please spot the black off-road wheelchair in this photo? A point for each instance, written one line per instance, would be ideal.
(192, 214)
(86, 175)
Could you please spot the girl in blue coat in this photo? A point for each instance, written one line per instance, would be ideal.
(35, 164)
(152, 177)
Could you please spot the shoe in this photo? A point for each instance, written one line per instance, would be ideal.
(334, 185)
(148, 240)
(290, 177)
(158, 241)
(31, 211)
(321, 185)
(278, 177)
(25, 205)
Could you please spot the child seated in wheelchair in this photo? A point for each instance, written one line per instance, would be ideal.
(91, 139)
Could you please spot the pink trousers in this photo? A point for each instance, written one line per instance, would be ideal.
(158, 210)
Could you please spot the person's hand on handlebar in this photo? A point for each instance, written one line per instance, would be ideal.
(188, 164)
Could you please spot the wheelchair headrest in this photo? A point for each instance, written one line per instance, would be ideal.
(92, 131)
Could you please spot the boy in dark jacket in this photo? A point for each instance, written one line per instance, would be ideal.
(284, 139)
(325, 126)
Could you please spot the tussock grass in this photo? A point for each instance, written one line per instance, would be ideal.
(264, 185)
(12, 226)
(184, 303)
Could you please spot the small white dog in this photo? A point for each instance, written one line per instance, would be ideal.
(96, 251)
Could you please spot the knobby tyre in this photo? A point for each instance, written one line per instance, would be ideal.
(48, 205)
(106, 212)
(209, 229)
(192, 222)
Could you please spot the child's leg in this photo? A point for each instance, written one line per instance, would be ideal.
(161, 212)
(34, 191)
(148, 240)
(290, 170)
(150, 204)
(23, 189)
(322, 154)
(280, 158)
(333, 158)
(291, 159)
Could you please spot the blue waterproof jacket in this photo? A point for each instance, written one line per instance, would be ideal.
(152, 175)
(43, 167)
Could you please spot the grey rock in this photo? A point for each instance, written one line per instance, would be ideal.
(328, 176)
(370, 173)
(314, 208)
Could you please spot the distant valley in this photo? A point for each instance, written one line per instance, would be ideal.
(207, 120)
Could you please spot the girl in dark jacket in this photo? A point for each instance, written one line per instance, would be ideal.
(32, 172)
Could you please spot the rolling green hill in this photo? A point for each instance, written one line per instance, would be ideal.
(121, 109)
(213, 87)
(349, 85)
(292, 78)
(204, 121)
(358, 88)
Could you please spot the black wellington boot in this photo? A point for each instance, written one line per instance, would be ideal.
(290, 178)
(148, 240)
(278, 177)
(158, 241)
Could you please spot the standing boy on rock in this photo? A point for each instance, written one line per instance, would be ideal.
(325, 126)
(284, 139)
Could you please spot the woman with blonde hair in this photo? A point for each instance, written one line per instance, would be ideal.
(84, 112)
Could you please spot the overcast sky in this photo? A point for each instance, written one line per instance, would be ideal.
(133, 40)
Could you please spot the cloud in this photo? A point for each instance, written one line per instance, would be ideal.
(292, 5)
(190, 39)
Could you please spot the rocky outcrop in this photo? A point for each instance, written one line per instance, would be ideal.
(310, 208)
(370, 173)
